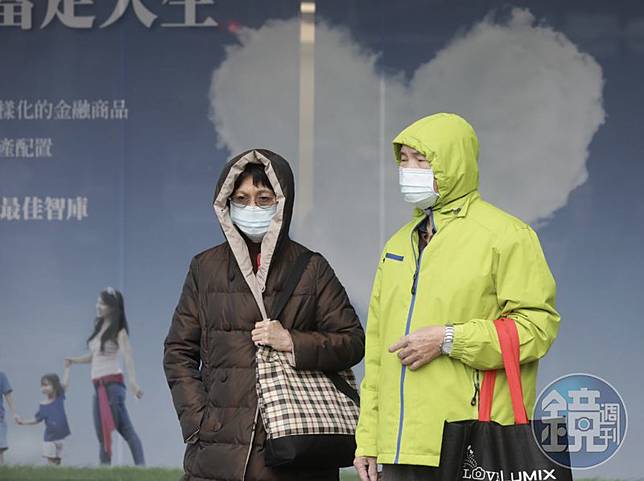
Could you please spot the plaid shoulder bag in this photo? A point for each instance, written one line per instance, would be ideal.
(310, 417)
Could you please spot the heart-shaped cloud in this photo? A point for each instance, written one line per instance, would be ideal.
(533, 98)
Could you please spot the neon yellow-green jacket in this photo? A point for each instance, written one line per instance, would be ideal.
(481, 264)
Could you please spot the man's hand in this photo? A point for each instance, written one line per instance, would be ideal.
(271, 333)
(367, 468)
(420, 347)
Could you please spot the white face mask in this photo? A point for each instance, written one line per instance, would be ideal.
(252, 220)
(417, 187)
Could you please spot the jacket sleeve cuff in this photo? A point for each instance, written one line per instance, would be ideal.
(459, 342)
(190, 427)
(368, 451)
(303, 350)
(193, 437)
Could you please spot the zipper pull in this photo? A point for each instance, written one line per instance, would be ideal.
(413, 284)
(476, 394)
(477, 390)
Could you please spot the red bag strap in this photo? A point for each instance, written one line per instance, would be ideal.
(487, 393)
(513, 368)
(506, 329)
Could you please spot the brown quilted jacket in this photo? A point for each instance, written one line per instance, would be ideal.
(209, 357)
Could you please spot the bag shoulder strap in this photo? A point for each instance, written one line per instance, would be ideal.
(509, 341)
(280, 302)
(291, 282)
(344, 387)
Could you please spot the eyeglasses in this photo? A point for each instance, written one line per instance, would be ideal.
(261, 200)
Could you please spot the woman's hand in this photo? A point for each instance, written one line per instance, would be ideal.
(136, 390)
(271, 333)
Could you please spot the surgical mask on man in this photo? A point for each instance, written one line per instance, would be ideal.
(252, 220)
(417, 187)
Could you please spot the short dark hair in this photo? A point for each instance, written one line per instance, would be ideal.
(54, 380)
(256, 171)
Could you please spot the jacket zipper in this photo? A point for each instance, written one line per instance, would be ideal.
(252, 440)
(414, 289)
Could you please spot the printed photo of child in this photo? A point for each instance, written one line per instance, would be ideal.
(52, 412)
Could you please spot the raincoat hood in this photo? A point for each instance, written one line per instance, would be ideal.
(449, 142)
(280, 175)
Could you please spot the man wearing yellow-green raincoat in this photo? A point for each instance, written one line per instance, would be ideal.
(442, 280)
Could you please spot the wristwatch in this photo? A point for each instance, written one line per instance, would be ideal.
(448, 339)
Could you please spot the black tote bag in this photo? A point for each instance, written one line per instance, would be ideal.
(483, 450)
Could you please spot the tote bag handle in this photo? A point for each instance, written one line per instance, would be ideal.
(506, 329)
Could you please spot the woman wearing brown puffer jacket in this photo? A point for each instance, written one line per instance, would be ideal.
(209, 356)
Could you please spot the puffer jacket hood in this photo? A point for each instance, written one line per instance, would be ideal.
(449, 142)
(280, 175)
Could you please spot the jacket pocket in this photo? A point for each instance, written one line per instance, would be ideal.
(210, 425)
